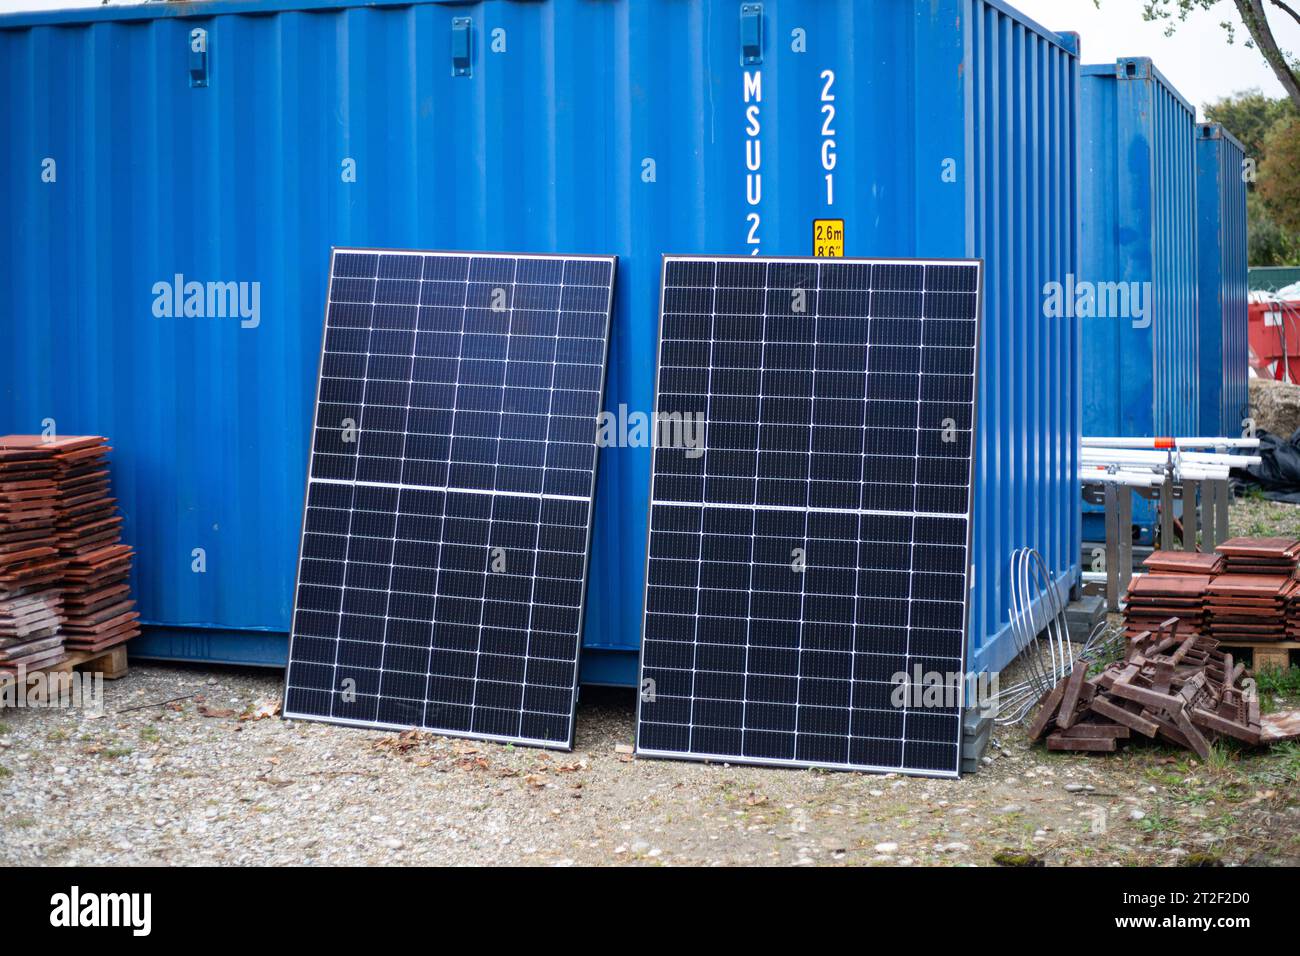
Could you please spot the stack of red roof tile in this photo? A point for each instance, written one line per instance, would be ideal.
(1184, 562)
(96, 594)
(1154, 598)
(1249, 607)
(98, 609)
(31, 608)
(1260, 555)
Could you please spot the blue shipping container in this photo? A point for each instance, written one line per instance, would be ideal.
(148, 147)
(1137, 218)
(1222, 258)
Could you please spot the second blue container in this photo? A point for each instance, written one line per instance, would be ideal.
(1137, 260)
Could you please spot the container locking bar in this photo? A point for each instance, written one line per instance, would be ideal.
(462, 45)
(751, 33)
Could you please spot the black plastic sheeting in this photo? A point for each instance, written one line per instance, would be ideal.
(1278, 475)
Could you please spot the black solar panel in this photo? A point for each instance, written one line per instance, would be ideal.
(819, 545)
(444, 554)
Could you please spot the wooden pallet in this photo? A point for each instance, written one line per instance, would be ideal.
(1266, 654)
(112, 663)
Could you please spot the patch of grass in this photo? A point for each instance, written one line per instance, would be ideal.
(1193, 798)
(1167, 777)
(150, 734)
(57, 735)
(1157, 823)
(1283, 762)
(1274, 680)
(115, 752)
(5, 772)
(5, 729)
(1223, 757)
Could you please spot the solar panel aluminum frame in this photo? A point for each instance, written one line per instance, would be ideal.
(969, 571)
(286, 714)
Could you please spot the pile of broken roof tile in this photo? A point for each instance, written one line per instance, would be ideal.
(1177, 682)
(1180, 688)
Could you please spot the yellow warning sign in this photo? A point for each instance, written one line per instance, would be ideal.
(828, 238)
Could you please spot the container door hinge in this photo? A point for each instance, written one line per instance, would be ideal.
(198, 57)
(751, 33)
(462, 45)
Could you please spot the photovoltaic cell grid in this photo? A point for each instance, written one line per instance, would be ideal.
(820, 545)
(444, 554)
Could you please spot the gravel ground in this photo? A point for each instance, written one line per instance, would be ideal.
(167, 784)
(206, 780)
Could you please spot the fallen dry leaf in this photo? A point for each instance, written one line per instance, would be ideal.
(206, 711)
(267, 708)
(402, 742)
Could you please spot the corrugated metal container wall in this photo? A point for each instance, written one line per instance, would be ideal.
(945, 128)
(1138, 238)
(1222, 257)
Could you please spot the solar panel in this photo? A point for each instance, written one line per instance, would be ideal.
(816, 543)
(443, 566)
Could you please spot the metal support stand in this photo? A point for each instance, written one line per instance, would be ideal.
(1209, 518)
(1189, 515)
(1223, 493)
(1119, 542)
(1114, 531)
(1167, 540)
(1125, 569)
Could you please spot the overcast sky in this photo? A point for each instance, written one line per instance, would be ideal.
(1197, 58)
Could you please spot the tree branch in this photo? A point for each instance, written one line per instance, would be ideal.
(1253, 15)
(1287, 8)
